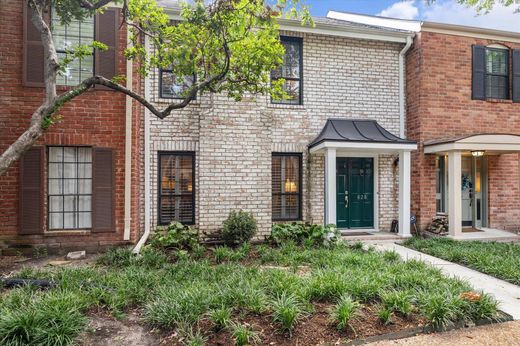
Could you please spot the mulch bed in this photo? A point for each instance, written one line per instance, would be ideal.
(316, 329)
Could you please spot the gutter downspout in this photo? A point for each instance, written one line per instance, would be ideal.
(128, 146)
(402, 55)
(146, 233)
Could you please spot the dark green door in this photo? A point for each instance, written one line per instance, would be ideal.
(355, 192)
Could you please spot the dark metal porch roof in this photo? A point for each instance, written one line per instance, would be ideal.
(356, 130)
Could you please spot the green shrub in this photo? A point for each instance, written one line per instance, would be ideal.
(244, 335)
(175, 237)
(344, 310)
(286, 311)
(305, 234)
(238, 228)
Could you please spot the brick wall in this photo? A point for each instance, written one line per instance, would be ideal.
(439, 105)
(342, 78)
(95, 118)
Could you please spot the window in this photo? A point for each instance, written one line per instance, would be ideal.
(440, 186)
(172, 87)
(65, 38)
(291, 70)
(176, 187)
(286, 185)
(70, 188)
(497, 73)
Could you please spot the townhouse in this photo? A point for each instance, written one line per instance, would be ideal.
(463, 89)
(335, 152)
(79, 187)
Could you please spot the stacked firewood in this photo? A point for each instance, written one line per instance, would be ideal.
(439, 225)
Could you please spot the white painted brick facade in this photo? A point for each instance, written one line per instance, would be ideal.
(233, 141)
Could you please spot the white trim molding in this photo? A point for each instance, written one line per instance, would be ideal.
(379, 148)
(493, 143)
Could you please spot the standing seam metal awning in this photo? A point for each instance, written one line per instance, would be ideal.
(358, 134)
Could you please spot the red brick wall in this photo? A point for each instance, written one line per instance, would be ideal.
(439, 105)
(95, 118)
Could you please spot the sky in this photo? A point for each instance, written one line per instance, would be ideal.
(444, 11)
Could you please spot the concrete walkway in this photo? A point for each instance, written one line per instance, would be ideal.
(506, 293)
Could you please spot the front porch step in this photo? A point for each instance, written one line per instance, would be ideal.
(378, 237)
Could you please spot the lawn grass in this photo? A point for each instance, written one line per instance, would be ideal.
(501, 260)
(220, 291)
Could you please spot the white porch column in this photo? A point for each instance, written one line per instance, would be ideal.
(330, 186)
(454, 193)
(404, 193)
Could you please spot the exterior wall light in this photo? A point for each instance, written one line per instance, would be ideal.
(477, 153)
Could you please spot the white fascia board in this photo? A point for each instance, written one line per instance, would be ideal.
(447, 147)
(341, 31)
(364, 146)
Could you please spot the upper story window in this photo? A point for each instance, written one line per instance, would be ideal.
(494, 75)
(291, 70)
(173, 87)
(65, 38)
(497, 73)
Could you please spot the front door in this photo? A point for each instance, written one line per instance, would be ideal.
(354, 192)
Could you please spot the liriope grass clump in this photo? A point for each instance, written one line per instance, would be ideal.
(344, 311)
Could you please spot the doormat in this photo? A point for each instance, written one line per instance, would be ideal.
(471, 230)
(353, 234)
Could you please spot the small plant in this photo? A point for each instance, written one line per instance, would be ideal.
(385, 315)
(220, 317)
(40, 252)
(222, 254)
(175, 237)
(152, 258)
(286, 311)
(244, 335)
(398, 301)
(391, 256)
(344, 310)
(117, 257)
(440, 310)
(239, 227)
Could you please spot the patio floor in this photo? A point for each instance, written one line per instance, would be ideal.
(488, 234)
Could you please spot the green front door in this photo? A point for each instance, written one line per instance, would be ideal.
(354, 192)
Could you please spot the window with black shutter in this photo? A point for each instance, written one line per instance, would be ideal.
(497, 73)
(291, 71)
(66, 38)
(490, 73)
(69, 188)
(286, 186)
(176, 187)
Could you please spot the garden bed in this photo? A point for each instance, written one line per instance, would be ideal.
(286, 295)
(501, 260)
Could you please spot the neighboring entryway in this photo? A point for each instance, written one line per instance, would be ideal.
(355, 192)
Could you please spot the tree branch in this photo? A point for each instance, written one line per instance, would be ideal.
(94, 6)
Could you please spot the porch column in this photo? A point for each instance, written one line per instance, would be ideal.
(404, 193)
(330, 186)
(454, 193)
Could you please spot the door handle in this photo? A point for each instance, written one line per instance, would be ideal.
(346, 199)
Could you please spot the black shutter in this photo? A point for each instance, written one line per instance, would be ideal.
(107, 32)
(103, 190)
(31, 192)
(516, 75)
(478, 80)
(33, 53)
